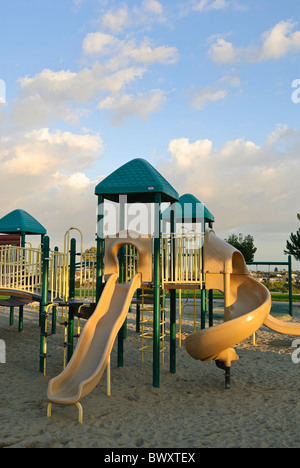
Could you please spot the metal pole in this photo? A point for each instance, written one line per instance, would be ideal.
(211, 307)
(71, 296)
(54, 309)
(21, 308)
(21, 318)
(156, 320)
(203, 308)
(72, 268)
(44, 300)
(100, 247)
(122, 279)
(290, 286)
(11, 316)
(138, 311)
(172, 299)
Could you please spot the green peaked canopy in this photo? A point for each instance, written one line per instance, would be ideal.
(190, 209)
(20, 221)
(139, 180)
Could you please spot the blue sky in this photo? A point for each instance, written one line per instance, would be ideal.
(202, 89)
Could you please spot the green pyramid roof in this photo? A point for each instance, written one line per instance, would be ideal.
(20, 221)
(139, 181)
(190, 209)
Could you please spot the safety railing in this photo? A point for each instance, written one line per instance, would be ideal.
(20, 269)
(131, 262)
(58, 286)
(88, 267)
(182, 258)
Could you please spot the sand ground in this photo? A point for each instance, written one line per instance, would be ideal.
(191, 409)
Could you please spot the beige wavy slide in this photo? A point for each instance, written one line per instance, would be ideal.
(93, 349)
(247, 305)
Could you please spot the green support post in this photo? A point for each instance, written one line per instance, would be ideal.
(290, 286)
(100, 248)
(210, 308)
(44, 300)
(54, 309)
(70, 333)
(11, 316)
(173, 301)
(203, 308)
(156, 324)
(71, 296)
(54, 318)
(23, 239)
(21, 308)
(138, 312)
(72, 268)
(21, 318)
(40, 315)
(122, 273)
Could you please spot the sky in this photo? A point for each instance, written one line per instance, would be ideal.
(207, 91)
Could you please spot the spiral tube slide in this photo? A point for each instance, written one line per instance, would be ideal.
(247, 303)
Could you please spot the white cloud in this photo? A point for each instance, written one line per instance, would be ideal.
(120, 55)
(50, 96)
(77, 87)
(41, 152)
(153, 7)
(280, 40)
(146, 53)
(223, 52)
(184, 153)
(150, 12)
(241, 183)
(116, 20)
(128, 51)
(213, 5)
(43, 172)
(206, 95)
(127, 106)
(215, 92)
(274, 44)
(206, 5)
(94, 43)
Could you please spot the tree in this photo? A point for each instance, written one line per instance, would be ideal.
(293, 245)
(91, 250)
(244, 244)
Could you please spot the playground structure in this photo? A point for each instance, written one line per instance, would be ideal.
(150, 265)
